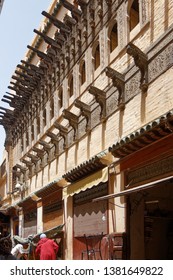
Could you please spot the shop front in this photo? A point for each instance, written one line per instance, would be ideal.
(151, 216)
(52, 214)
(145, 160)
(89, 220)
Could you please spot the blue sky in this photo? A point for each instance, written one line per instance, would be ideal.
(18, 18)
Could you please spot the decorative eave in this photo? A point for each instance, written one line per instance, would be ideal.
(10, 211)
(27, 203)
(88, 167)
(51, 188)
(146, 135)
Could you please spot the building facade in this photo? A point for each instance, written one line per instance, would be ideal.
(89, 129)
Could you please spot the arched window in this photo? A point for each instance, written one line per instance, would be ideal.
(83, 73)
(60, 98)
(113, 37)
(96, 57)
(134, 14)
(51, 108)
(70, 86)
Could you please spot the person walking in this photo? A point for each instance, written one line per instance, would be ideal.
(47, 249)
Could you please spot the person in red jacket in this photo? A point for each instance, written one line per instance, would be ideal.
(46, 248)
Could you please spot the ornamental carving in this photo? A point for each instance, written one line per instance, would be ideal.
(73, 121)
(86, 112)
(100, 97)
(141, 61)
(160, 63)
(118, 80)
(132, 87)
(160, 168)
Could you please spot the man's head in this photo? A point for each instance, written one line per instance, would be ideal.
(43, 235)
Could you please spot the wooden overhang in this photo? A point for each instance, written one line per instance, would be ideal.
(146, 135)
(89, 167)
(27, 203)
(52, 188)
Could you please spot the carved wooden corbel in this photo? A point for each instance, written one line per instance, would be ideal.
(62, 61)
(100, 8)
(75, 12)
(22, 173)
(47, 149)
(46, 146)
(141, 61)
(78, 39)
(73, 121)
(22, 168)
(63, 131)
(100, 97)
(118, 81)
(40, 54)
(33, 158)
(92, 15)
(48, 39)
(109, 3)
(69, 21)
(67, 57)
(83, 5)
(16, 172)
(54, 141)
(86, 112)
(59, 24)
(30, 165)
(40, 152)
(59, 38)
(72, 48)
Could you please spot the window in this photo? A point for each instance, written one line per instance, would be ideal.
(134, 14)
(83, 73)
(113, 38)
(71, 87)
(60, 98)
(97, 57)
(38, 125)
(27, 139)
(32, 132)
(51, 108)
(44, 117)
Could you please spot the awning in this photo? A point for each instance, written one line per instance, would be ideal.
(144, 136)
(132, 190)
(86, 183)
